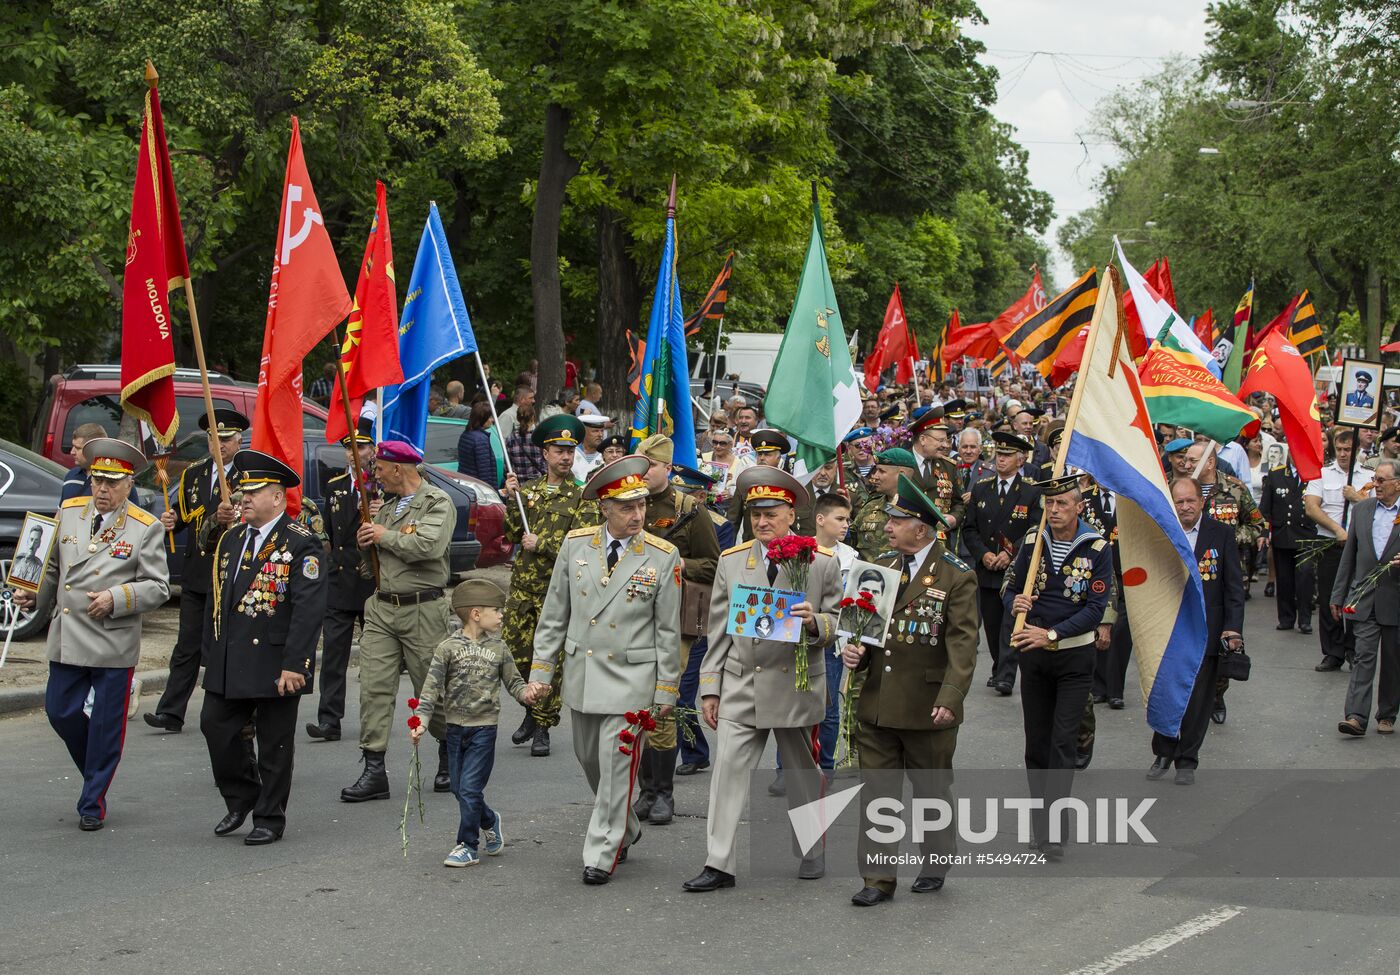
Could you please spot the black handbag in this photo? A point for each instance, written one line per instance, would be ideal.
(1234, 664)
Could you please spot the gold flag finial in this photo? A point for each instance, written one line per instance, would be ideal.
(151, 76)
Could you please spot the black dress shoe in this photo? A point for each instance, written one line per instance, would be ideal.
(525, 732)
(870, 896)
(777, 787)
(709, 879)
(622, 855)
(1217, 714)
(1116, 704)
(230, 822)
(1328, 665)
(1082, 759)
(594, 877)
(1304, 627)
(539, 748)
(926, 885)
(1269, 589)
(1284, 626)
(1003, 688)
(89, 824)
(691, 768)
(261, 836)
(992, 681)
(163, 722)
(1100, 698)
(323, 732)
(1185, 776)
(1053, 851)
(1160, 767)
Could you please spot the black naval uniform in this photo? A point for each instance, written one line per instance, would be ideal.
(1071, 600)
(197, 498)
(995, 524)
(1281, 503)
(1111, 670)
(346, 591)
(267, 607)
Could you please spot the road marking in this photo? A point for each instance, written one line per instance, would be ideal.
(1161, 942)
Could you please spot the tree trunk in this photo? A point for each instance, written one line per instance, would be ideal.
(557, 167)
(619, 309)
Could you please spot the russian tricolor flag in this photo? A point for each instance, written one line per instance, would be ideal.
(1112, 440)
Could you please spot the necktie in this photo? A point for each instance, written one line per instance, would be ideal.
(1108, 503)
(96, 523)
(250, 549)
(906, 575)
(613, 553)
(1002, 488)
(772, 573)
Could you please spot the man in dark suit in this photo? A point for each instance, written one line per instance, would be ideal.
(1281, 503)
(200, 506)
(1002, 510)
(266, 607)
(1373, 541)
(1222, 578)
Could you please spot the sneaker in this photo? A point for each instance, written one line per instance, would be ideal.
(493, 840)
(461, 856)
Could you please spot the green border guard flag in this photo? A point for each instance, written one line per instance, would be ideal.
(813, 394)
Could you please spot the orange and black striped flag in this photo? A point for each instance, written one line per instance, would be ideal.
(1304, 331)
(1047, 333)
(712, 308)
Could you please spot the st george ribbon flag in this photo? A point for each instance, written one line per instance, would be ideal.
(434, 329)
(813, 393)
(1112, 440)
(663, 392)
(155, 264)
(306, 300)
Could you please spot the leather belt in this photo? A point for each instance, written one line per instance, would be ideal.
(410, 598)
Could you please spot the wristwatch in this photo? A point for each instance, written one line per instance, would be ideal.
(1052, 636)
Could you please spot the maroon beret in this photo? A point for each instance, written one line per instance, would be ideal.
(398, 452)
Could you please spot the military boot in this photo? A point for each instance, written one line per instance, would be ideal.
(373, 782)
(663, 771)
(442, 782)
(525, 732)
(539, 748)
(646, 785)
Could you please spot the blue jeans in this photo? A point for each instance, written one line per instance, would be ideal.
(693, 747)
(471, 752)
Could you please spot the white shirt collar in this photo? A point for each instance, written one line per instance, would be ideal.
(609, 538)
(921, 556)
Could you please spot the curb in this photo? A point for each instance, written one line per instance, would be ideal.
(19, 699)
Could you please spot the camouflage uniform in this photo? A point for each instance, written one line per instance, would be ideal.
(1232, 504)
(553, 513)
(869, 527)
(464, 681)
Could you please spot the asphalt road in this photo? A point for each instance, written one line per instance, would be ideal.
(157, 892)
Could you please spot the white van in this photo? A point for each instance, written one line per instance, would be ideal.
(750, 354)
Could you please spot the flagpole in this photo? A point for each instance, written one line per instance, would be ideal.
(714, 364)
(151, 78)
(496, 421)
(1072, 415)
(352, 426)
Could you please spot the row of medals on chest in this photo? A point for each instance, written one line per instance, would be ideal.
(269, 586)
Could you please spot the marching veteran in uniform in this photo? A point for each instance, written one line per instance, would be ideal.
(1056, 648)
(685, 522)
(747, 685)
(408, 616)
(613, 608)
(198, 507)
(266, 607)
(555, 506)
(912, 702)
(108, 569)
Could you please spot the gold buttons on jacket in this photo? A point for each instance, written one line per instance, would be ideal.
(590, 653)
(888, 669)
(756, 670)
(255, 641)
(65, 609)
(67, 588)
(592, 622)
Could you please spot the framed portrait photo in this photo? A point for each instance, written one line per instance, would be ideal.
(31, 557)
(881, 584)
(1359, 396)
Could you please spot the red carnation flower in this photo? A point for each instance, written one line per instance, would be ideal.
(848, 602)
(414, 721)
(413, 703)
(648, 722)
(1349, 610)
(631, 717)
(624, 749)
(626, 737)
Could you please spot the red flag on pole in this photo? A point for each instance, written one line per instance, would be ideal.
(369, 356)
(155, 264)
(975, 341)
(1159, 275)
(1280, 322)
(1205, 328)
(895, 346)
(1278, 369)
(1023, 308)
(306, 300)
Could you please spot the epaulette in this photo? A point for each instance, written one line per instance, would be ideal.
(582, 532)
(77, 502)
(826, 551)
(956, 562)
(1098, 545)
(716, 517)
(987, 480)
(655, 541)
(741, 547)
(341, 476)
(1278, 467)
(297, 528)
(135, 513)
(1030, 536)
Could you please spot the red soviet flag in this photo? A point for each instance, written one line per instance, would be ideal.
(1280, 370)
(1027, 305)
(155, 264)
(895, 346)
(1205, 328)
(369, 356)
(306, 300)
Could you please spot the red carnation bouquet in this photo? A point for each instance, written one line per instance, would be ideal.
(638, 724)
(796, 553)
(415, 779)
(1364, 587)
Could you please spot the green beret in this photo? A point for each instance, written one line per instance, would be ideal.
(896, 457)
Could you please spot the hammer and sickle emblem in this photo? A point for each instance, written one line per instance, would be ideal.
(290, 241)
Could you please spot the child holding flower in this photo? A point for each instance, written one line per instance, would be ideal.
(465, 679)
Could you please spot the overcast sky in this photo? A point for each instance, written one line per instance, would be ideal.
(1057, 58)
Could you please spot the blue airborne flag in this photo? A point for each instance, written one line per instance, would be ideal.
(433, 329)
(663, 395)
